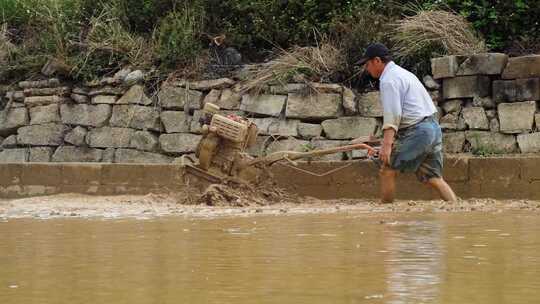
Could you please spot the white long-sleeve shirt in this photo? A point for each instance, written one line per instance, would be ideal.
(404, 99)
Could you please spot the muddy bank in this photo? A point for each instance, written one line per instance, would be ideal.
(151, 205)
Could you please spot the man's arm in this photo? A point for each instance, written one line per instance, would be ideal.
(391, 104)
(386, 149)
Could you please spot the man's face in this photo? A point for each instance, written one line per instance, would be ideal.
(375, 67)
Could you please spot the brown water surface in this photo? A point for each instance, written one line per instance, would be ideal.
(348, 257)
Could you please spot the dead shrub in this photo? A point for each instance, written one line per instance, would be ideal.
(299, 64)
(442, 32)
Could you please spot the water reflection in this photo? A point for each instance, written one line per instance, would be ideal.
(415, 263)
(334, 258)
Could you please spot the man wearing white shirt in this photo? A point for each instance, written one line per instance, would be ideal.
(412, 141)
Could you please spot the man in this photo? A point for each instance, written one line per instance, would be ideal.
(412, 139)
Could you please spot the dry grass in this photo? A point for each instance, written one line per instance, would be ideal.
(106, 36)
(525, 45)
(194, 69)
(443, 31)
(18, 61)
(300, 64)
(6, 47)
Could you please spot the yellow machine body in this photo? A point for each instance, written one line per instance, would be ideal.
(223, 145)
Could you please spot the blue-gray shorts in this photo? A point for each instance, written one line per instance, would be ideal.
(418, 149)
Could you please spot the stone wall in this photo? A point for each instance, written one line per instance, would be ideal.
(487, 104)
(116, 120)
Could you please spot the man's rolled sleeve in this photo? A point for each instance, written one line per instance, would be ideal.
(391, 104)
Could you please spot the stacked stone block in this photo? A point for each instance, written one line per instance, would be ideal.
(489, 102)
(312, 116)
(110, 120)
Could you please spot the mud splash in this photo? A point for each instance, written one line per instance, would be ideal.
(219, 201)
(244, 195)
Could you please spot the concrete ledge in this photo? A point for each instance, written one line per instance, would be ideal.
(31, 179)
(497, 177)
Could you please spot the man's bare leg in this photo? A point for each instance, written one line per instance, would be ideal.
(388, 184)
(443, 188)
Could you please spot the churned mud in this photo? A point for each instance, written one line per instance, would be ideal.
(230, 200)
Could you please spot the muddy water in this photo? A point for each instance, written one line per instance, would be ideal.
(316, 258)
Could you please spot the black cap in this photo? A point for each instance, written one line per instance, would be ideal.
(374, 50)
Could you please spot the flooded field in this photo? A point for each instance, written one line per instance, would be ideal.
(349, 256)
